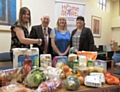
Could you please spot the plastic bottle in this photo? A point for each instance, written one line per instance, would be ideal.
(35, 53)
(75, 64)
(27, 66)
(36, 62)
(90, 63)
(82, 61)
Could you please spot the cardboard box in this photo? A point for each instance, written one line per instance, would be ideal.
(19, 55)
(102, 64)
(114, 46)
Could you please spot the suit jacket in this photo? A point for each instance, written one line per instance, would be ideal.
(37, 32)
(86, 41)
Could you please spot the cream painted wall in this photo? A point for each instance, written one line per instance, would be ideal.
(40, 7)
(5, 41)
(115, 23)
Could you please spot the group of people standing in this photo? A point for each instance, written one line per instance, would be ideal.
(56, 41)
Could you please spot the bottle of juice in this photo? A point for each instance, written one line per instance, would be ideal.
(36, 62)
(27, 66)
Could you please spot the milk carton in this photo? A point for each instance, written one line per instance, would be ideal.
(82, 61)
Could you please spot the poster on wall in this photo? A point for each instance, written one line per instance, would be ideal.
(70, 11)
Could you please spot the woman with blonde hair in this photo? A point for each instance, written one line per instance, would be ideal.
(60, 38)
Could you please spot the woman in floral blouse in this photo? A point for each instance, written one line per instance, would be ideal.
(19, 31)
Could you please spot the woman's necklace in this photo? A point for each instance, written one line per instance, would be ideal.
(79, 30)
(62, 31)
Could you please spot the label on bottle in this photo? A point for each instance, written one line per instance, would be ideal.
(75, 64)
(36, 61)
(90, 63)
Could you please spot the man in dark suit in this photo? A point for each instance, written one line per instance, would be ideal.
(42, 31)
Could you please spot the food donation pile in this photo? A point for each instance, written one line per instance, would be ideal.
(62, 72)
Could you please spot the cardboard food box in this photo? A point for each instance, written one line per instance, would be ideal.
(58, 61)
(102, 64)
(20, 54)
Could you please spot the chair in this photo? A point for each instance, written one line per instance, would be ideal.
(5, 61)
(116, 58)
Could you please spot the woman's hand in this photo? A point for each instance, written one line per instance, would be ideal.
(62, 54)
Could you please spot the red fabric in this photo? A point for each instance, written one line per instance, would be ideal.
(46, 42)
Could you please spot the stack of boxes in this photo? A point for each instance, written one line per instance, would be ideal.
(114, 46)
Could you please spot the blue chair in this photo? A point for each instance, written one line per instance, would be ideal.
(116, 58)
(5, 61)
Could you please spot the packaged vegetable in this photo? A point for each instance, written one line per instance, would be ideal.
(15, 88)
(52, 72)
(49, 85)
(35, 78)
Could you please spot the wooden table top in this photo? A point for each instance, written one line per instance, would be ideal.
(87, 89)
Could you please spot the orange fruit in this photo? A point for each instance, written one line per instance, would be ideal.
(68, 73)
(65, 68)
(108, 75)
(81, 79)
(110, 81)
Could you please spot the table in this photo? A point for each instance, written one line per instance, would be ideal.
(83, 88)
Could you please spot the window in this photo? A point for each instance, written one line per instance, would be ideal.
(7, 12)
(102, 4)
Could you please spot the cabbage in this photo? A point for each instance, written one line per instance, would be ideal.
(35, 78)
(72, 83)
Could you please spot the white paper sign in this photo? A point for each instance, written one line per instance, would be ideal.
(70, 11)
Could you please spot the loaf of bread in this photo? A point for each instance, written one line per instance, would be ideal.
(83, 71)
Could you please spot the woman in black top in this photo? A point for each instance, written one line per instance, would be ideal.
(19, 31)
(81, 37)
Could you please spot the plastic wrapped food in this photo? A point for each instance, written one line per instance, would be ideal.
(8, 76)
(72, 83)
(2, 79)
(49, 86)
(35, 78)
(59, 61)
(45, 60)
(15, 88)
(52, 72)
(11, 75)
(84, 71)
(93, 81)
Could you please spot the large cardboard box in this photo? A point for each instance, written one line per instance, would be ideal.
(19, 55)
(114, 46)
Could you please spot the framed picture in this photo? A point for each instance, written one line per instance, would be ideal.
(96, 26)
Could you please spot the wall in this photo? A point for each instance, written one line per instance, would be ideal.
(115, 24)
(40, 7)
